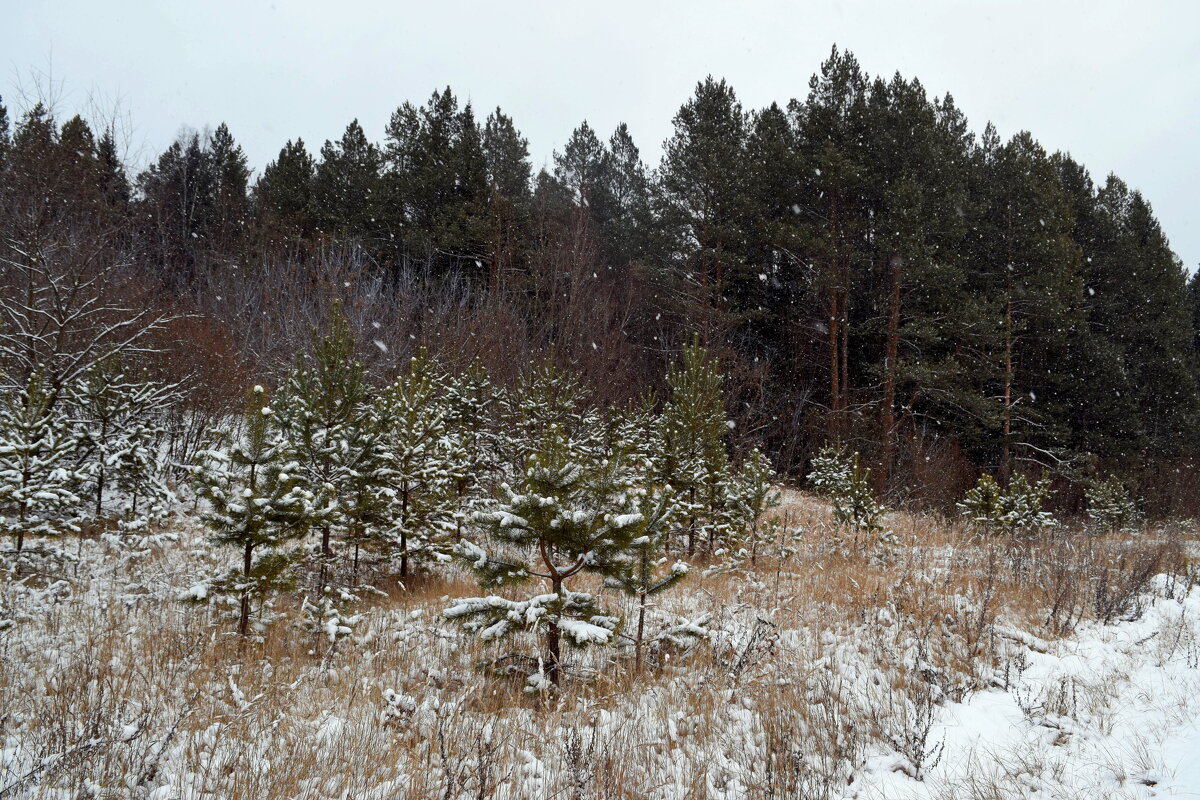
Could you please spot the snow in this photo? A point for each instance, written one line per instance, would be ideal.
(1111, 712)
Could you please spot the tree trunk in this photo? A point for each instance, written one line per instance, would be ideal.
(404, 534)
(641, 627)
(835, 402)
(888, 420)
(553, 636)
(244, 617)
(1005, 470)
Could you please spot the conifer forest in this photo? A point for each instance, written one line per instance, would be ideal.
(849, 450)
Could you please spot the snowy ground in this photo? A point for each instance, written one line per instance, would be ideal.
(952, 668)
(1113, 711)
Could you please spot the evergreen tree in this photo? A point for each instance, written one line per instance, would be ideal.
(842, 480)
(324, 411)
(568, 514)
(37, 474)
(581, 168)
(695, 462)
(752, 495)
(347, 190)
(231, 176)
(423, 479)
(627, 226)
(1110, 506)
(832, 128)
(438, 182)
(1029, 272)
(257, 502)
(120, 427)
(470, 399)
(1016, 508)
(114, 183)
(284, 191)
(506, 152)
(5, 136)
(702, 193)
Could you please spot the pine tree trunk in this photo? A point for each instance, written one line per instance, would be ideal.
(1005, 470)
(244, 617)
(553, 636)
(404, 534)
(641, 627)
(888, 421)
(835, 402)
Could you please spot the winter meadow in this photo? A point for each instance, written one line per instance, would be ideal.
(845, 453)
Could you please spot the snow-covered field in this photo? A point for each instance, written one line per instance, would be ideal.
(950, 668)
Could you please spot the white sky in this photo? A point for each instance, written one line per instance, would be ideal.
(1116, 83)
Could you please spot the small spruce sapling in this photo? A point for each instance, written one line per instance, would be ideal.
(38, 476)
(257, 503)
(567, 515)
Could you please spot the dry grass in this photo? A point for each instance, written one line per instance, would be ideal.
(821, 654)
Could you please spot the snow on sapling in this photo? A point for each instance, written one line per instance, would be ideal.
(695, 459)
(546, 396)
(257, 503)
(567, 514)
(469, 398)
(120, 429)
(1015, 509)
(320, 409)
(38, 476)
(422, 467)
(1110, 506)
(845, 483)
(644, 573)
(752, 494)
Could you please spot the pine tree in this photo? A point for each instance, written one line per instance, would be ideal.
(258, 501)
(643, 576)
(1016, 508)
(347, 189)
(231, 178)
(506, 152)
(695, 462)
(284, 191)
(324, 410)
(37, 473)
(422, 473)
(470, 399)
(842, 480)
(120, 427)
(5, 136)
(568, 514)
(1110, 506)
(752, 494)
(702, 193)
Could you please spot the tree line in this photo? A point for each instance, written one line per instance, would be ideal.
(869, 270)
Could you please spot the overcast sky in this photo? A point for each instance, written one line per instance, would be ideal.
(1116, 83)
